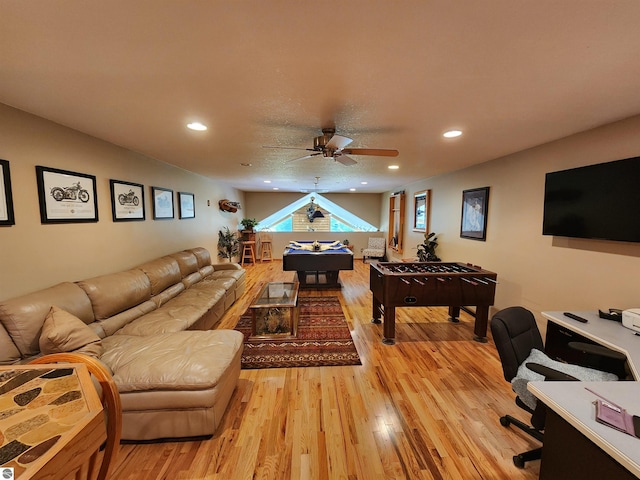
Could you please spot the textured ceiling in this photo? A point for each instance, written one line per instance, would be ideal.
(511, 74)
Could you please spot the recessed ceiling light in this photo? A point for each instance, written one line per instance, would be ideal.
(363, 183)
(267, 181)
(393, 167)
(452, 134)
(352, 189)
(276, 188)
(199, 127)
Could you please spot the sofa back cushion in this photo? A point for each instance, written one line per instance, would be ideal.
(9, 353)
(203, 256)
(162, 273)
(116, 292)
(23, 317)
(187, 262)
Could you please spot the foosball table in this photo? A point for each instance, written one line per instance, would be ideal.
(431, 284)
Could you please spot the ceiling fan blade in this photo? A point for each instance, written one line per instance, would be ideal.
(289, 148)
(338, 142)
(380, 152)
(303, 158)
(344, 160)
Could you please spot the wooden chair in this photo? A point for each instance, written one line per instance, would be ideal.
(248, 252)
(266, 253)
(110, 401)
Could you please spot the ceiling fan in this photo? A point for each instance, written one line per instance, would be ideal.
(330, 145)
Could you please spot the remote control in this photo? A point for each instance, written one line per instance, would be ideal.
(575, 317)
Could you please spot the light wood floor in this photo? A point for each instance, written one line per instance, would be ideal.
(425, 408)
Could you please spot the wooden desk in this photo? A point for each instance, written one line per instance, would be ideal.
(52, 422)
(575, 445)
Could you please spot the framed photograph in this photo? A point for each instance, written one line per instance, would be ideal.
(421, 211)
(162, 203)
(475, 204)
(66, 197)
(6, 198)
(187, 205)
(127, 201)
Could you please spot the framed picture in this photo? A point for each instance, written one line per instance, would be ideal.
(187, 205)
(162, 203)
(66, 197)
(127, 201)
(475, 204)
(421, 211)
(6, 198)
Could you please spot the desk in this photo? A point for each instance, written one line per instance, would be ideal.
(52, 422)
(317, 269)
(575, 445)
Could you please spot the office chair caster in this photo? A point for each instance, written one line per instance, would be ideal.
(504, 421)
(518, 461)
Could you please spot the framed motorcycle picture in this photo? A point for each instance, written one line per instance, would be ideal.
(66, 197)
(127, 201)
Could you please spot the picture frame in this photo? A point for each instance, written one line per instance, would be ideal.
(475, 206)
(6, 197)
(65, 196)
(127, 201)
(162, 203)
(186, 205)
(421, 206)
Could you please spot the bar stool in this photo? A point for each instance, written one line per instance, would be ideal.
(248, 251)
(265, 250)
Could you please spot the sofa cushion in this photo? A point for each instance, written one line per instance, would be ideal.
(116, 292)
(9, 353)
(187, 262)
(203, 256)
(178, 314)
(64, 332)
(23, 317)
(187, 360)
(162, 272)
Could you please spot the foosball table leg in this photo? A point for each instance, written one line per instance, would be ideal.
(480, 328)
(454, 313)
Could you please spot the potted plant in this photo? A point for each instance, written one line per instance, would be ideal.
(248, 224)
(228, 244)
(427, 249)
(347, 244)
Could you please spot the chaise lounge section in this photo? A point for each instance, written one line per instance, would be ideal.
(151, 326)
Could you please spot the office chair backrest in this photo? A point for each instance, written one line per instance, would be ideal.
(515, 333)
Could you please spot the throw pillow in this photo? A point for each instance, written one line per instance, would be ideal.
(64, 332)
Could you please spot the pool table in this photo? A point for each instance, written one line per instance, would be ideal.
(317, 267)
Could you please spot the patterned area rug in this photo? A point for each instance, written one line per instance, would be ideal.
(323, 339)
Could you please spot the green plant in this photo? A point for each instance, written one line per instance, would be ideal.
(228, 243)
(249, 223)
(427, 249)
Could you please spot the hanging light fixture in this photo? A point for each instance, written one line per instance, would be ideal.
(313, 212)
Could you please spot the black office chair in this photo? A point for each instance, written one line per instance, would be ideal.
(516, 334)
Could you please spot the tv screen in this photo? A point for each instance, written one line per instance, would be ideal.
(597, 201)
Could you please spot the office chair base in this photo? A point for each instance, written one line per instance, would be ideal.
(507, 420)
(520, 459)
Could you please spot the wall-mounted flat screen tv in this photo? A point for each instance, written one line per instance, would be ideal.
(597, 201)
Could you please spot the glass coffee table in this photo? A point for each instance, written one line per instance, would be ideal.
(274, 312)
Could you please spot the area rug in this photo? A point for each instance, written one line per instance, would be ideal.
(323, 339)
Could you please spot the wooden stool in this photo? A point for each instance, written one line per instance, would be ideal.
(248, 251)
(265, 251)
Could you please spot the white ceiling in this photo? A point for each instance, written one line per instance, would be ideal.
(511, 74)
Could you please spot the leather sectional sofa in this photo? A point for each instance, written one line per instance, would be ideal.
(151, 326)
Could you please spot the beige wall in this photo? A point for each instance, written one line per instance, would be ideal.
(33, 255)
(536, 271)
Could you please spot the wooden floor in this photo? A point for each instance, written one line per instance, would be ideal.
(425, 408)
